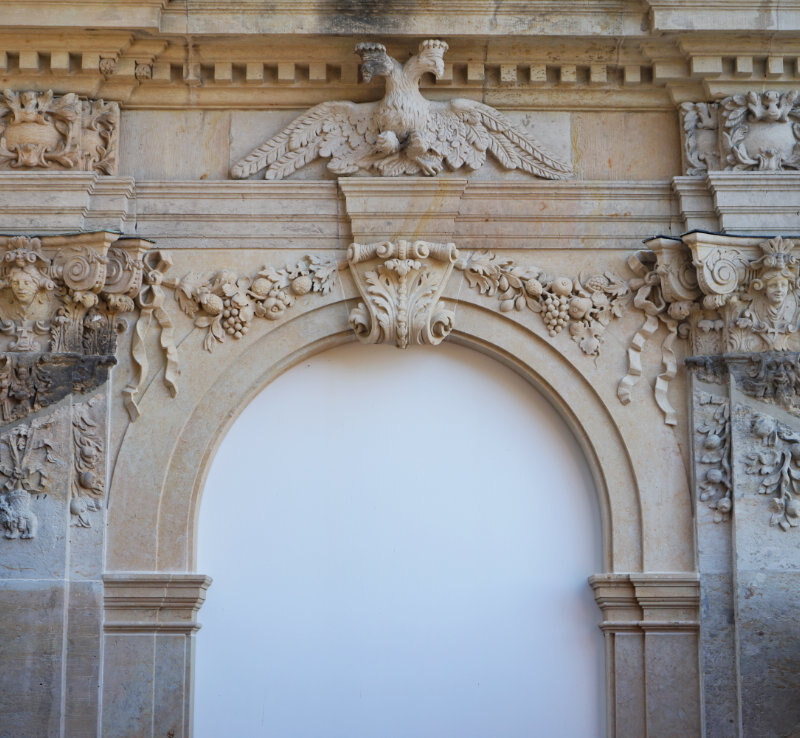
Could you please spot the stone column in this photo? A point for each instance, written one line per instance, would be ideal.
(60, 301)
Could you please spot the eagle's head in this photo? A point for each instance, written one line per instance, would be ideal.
(430, 57)
(375, 62)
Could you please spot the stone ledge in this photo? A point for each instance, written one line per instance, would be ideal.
(661, 602)
(152, 602)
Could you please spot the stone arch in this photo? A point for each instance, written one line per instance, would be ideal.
(153, 520)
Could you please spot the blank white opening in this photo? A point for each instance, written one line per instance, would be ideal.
(399, 542)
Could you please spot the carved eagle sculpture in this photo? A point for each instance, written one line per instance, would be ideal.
(404, 133)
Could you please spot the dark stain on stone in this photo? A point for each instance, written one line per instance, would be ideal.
(365, 16)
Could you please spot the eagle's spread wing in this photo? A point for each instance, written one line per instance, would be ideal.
(341, 130)
(462, 131)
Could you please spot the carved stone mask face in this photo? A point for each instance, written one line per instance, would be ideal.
(23, 285)
(776, 290)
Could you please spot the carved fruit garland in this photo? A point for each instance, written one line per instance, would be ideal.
(714, 453)
(779, 467)
(225, 304)
(585, 306)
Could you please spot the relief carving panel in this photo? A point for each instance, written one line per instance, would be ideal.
(40, 130)
(404, 133)
(752, 131)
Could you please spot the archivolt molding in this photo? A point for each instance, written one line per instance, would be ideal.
(165, 509)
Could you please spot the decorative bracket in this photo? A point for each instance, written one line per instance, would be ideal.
(401, 284)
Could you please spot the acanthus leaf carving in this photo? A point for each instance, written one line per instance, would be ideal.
(404, 133)
(42, 130)
(401, 284)
(25, 454)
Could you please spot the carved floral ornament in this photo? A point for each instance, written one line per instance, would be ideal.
(752, 131)
(403, 133)
(40, 130)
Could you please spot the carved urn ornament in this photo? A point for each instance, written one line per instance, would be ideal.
(404, 133)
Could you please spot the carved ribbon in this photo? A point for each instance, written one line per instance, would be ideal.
(151, 304)
(649, 299)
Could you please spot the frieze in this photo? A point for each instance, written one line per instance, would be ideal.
(755, 131)
(40, 130)
(404, 133)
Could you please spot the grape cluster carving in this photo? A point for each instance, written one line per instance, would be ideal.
(226, 304)
(584, 306)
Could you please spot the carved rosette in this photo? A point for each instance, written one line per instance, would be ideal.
(752, 131)
(401, 284)
(40, 130)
